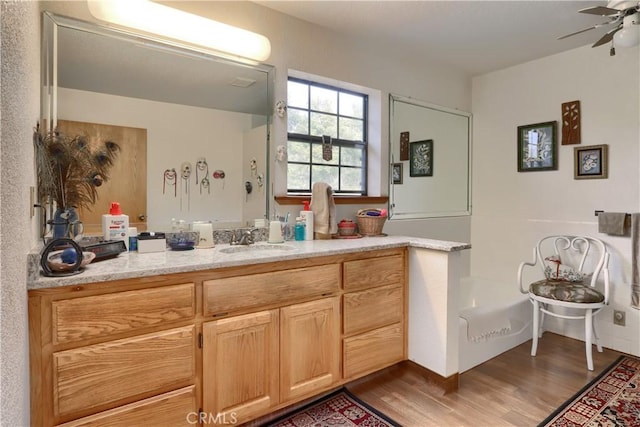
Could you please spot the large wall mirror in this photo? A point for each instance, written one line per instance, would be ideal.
(170, 108)
(430, 160)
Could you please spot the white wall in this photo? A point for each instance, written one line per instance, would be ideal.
(176, 134)
(511, 210)
(20, 99)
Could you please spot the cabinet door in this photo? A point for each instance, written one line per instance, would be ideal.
(309, 348)
(240, 365)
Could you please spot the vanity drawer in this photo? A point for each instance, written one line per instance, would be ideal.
(93, 376)
(373, 350)
(245, 293)
(176, 408)
(371, 272)
(372, 308)
(97, 316)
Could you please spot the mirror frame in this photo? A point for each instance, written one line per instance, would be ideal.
(51, 23)
(393, 135)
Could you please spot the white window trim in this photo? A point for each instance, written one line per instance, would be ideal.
(374, 129)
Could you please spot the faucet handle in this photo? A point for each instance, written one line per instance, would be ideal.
(248, 236)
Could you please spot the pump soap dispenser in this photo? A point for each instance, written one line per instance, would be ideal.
(115, 225)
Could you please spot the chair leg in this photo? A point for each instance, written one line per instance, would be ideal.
(536, 332)
(588, 328)
(541, 322)
(595, 335)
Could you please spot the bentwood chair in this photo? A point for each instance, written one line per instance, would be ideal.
(575, 284)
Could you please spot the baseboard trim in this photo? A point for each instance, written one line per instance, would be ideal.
(447, 384)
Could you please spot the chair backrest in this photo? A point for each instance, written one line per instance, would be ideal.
(574, 258)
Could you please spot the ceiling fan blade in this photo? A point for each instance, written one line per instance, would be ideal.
(600, 10)
(607, 37)
(586, 29)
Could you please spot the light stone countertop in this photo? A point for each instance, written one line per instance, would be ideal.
(132, 265)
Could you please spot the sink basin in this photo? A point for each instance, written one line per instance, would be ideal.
(257, 248)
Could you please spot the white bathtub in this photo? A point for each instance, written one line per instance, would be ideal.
(481, 297)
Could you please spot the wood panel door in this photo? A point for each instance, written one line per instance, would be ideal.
(309, 348)
(128, 178)
(240, 365)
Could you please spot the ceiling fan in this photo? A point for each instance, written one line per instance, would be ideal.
(624, 24)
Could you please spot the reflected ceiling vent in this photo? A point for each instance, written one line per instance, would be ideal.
(242, 82)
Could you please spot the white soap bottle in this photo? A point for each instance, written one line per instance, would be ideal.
(307, 216)
(115, 225)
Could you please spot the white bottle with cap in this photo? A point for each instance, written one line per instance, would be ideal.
(115, 225)
(307, 216)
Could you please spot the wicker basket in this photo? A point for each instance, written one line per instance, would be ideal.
(370, 225)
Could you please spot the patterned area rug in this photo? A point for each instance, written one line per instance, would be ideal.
(610, 400)
(340, 408)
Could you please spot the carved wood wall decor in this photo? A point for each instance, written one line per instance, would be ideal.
(404, 146)
(571, 123)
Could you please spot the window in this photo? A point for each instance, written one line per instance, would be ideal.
(327, 138)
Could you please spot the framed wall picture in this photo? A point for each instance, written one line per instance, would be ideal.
(421, 158)
(590, 162)
(537, 147)
(396, 173)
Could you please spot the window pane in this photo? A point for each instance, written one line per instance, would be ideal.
(351, 129)
(298, 177)
(324, 100)
(328, 174)
(297, 95)
(351, 180)
(297, 121)
(298, 151)
(351, 105)
(352, 156)
(324, 124)
(316, 156)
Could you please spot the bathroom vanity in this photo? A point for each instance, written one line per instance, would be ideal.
(233, 335)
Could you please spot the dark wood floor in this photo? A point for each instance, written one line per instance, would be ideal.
(513, 389)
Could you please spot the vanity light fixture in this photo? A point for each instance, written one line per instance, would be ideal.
(168, 22)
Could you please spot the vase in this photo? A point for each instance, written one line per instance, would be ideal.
(66, 224)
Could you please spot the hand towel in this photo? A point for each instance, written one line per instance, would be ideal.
(635, 260)
(324, 210)
(611, 223)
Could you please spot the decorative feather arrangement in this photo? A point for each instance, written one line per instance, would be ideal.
(70, 169)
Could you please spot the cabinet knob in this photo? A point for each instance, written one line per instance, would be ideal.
(142, 217)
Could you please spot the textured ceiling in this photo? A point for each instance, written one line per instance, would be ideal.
(475, 36)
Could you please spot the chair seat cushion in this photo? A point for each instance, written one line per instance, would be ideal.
(566, 291)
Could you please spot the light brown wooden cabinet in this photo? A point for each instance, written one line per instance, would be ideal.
(309, 348)
(240, 365)
(257, 361)
(374, 319)
(227, 344)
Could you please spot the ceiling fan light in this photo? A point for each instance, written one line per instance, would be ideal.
(629, 35)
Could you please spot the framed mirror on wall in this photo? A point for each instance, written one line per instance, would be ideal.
(197, 109)
(430, 160)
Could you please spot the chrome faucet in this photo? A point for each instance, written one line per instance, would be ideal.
(246, 237)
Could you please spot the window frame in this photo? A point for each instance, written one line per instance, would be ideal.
(313, 140)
